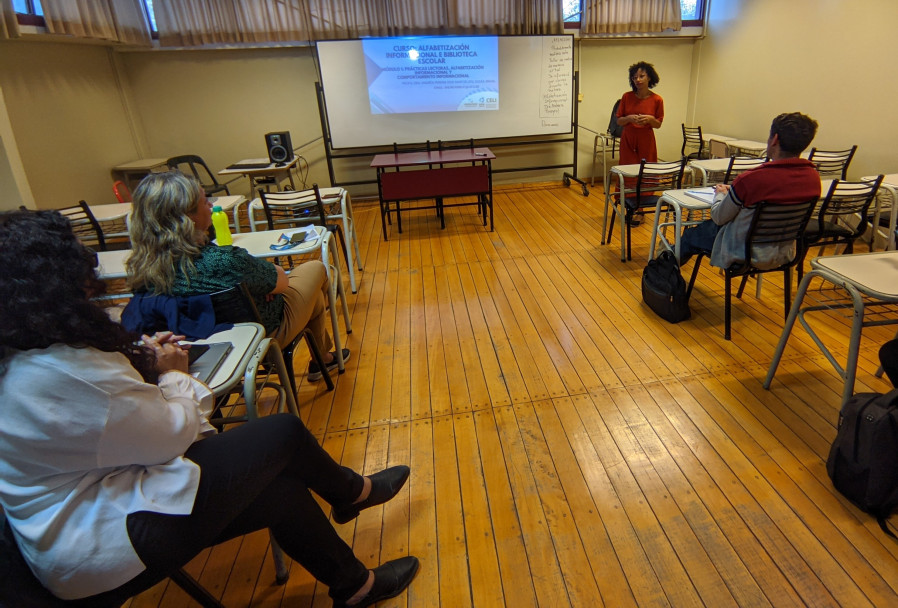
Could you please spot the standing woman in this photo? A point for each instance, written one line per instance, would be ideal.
(639, 112)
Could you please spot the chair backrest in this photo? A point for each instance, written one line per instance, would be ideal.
(692, 141)
(654, 177)
(845, 200)
(85, 225)
(121, 191)
(718, 149)
(235, 305)
(293, 208)
(777, 224)
(191, 164)
(615, 130)
(832, 163)
(741, 164)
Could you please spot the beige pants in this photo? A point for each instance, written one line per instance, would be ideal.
(305, 306)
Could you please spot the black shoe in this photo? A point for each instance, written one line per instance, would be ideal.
(315, 374)
(390, 579)
(384, 486)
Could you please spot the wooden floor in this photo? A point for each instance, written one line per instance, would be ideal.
(568, 447)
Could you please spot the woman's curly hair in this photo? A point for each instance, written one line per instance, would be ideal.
(46, 286)
(650, 71)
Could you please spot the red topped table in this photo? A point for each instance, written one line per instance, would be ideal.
(427, 177)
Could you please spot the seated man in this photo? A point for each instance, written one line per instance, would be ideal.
(786, 179)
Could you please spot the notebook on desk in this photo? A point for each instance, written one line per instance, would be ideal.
(205, 359)
(706, 195)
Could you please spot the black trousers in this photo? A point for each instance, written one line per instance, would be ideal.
(255, 476)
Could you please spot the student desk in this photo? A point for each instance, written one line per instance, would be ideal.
(888, 186)
(261, 171)
(870, 279)
(329, 198)
(426, 177)
(134, 171)
(677, 201)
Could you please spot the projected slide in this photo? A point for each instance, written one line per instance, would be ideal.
(448, 74)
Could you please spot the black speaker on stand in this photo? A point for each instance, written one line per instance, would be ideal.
(280, 150)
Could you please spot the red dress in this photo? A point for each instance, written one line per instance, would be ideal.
(638, 142)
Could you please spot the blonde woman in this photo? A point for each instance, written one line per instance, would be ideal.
(172, 255)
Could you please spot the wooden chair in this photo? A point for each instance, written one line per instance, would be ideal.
(191, 164)
(832, 163)
(85, 225)
(653, 179)
(843, 216)
(772, 225)
(693, 144)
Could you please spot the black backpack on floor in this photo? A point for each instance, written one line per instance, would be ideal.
(664, 290)
(863, 460)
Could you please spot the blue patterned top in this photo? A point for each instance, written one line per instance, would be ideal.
(220, 268)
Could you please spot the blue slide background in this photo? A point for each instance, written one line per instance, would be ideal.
(409, 75)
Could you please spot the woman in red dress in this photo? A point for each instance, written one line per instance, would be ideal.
(639, 112)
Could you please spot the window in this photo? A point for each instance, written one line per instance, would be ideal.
(148, 5)
(690, 12)
(28, 12)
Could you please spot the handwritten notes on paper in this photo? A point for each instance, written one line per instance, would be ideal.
(556, 90)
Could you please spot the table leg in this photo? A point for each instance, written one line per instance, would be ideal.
(622, 200)
(353, 242)
(335, 288)
(658, 206)
(787, 328)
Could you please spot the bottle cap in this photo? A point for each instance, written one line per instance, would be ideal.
(216, 209)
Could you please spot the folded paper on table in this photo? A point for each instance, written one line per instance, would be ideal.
(706, 195)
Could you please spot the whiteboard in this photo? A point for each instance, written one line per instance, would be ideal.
(535, 94)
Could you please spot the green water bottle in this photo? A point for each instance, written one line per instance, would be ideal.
(220, 223)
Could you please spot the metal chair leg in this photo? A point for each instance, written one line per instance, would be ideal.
(195, 590)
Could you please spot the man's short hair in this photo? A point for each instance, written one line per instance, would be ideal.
(796, 131)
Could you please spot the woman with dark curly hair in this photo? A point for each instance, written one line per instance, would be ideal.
(172, 255)
(639, 113)
(111, 477)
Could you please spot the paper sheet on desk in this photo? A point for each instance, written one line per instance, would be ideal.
(706, 195)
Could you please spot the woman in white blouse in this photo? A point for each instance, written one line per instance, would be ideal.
(111, 476)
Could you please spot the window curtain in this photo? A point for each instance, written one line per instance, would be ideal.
(629, 16)
(198, 22)
(121, 21)
(508, 16)
(9, 26)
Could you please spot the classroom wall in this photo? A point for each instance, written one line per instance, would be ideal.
(68, 120)
(830, 59)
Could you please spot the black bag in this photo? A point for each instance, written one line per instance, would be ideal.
(664, 290)
(863, 460)
(614, 129)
